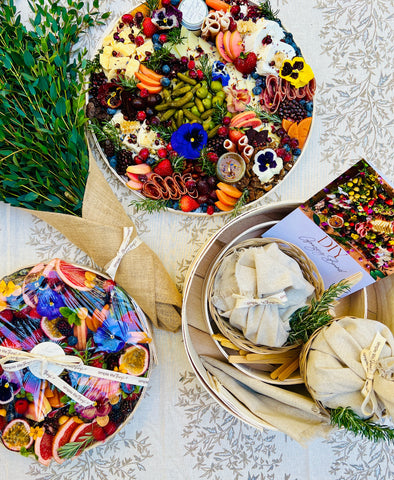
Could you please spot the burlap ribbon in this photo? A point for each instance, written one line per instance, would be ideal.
(100, 233)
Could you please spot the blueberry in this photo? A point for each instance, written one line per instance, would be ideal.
(174, 2)
(286, 147)
(309, 114)
(309, 107)
(255, 75)
(175, 205)
(155, 37)
(150, 161)
(72, 340)
(165, 81)
(302, 102)
(157, 45)
(111, 111)
(297, 151)
(259, 82)
(257, 90)
(112, 162)
(166, 69)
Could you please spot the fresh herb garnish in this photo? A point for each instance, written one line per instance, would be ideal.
(219, 112)
(270, 117)
(267, 12)
(206, 165)
(44, 158)
(149, 205)
(348, 419)
(178, 163)
(151, 5)
(165, 133)
(69, 450)
(129, 84)
(206, 67)
(174, 36)
(158, 58)
(93, 66)
(106, 131)
(305, 320)
(241, 202)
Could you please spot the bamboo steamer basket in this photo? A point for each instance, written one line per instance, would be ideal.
(309, 271)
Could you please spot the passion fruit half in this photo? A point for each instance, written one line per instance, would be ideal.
(135, 360)
(16, 435)
(50, 329)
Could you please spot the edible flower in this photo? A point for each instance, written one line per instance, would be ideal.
(296, 72)
(267, 164)
(49, 303)
(8, 289)
(100, 408)
(112, 336)
(219, 72)
(36, 432)
(165, 19)
(237, 99)
(7, 390)
(189, 140)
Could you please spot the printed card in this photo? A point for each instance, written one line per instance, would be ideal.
(345, 228)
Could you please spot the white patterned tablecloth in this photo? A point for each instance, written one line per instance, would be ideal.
(179, 432)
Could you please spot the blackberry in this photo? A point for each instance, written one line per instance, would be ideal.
(108, 147)
(96, 80)
(215, 144)
(124, 158)
(64, 327)
(292, 110)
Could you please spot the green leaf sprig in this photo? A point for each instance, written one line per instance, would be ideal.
(106, 131)
(70, 315)
(241, 202)
(165, 133)
(174, 37)
(206, 165)
(149, 205)
(70, 449)
(263, 115)
(205, 66)
(267, 12)
(348, 419)
(305, 320)
(43, 154)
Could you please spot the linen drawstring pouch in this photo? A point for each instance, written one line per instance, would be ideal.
(257, 289)
(351, 364)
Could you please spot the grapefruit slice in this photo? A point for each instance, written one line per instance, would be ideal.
(135, 360)
(220, 47)
(62, 437)
(81, 434)
(236, 45)
(72, 276)
(43, 448)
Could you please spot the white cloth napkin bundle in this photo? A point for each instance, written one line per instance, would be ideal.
(258, 289)
(351, 364)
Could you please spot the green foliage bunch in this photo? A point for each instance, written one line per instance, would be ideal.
(43, 154)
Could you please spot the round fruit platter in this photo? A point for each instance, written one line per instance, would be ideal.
(200, 107)
(75, 358)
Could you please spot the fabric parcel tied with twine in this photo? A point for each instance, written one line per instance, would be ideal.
(100, 233)
(351, 364)
(47, 360)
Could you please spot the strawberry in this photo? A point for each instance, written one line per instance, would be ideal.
(188, 204)
(246, 63)
(148, 27)
(21, 405)
(234, 134)
(164, 168)
(98, 433)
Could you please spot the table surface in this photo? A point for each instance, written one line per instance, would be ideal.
(179, 432)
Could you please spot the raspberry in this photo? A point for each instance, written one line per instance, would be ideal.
(21, 405)
(213, 157)
(144, 153)
(281, 152)
(144, 93)
(141, 115)
(96, 363)
(163, 38)
(191, 64)
(200, 74)
(287, 157)
(162, 153)
(6, 315)
(210, 209)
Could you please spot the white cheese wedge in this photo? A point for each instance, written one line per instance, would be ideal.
(118, 63)
(126, 49)
(132, 67)
(104, 60)
(146, 47)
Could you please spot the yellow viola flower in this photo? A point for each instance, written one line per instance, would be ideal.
(8, 289)
(296, 71)
(36, 432)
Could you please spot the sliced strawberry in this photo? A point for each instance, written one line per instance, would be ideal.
(188, 204)
(164, 168)
(148, 27)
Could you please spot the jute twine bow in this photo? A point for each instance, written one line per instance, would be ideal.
(49, 361)
(369, 360)
(126, 245)
(243, 301)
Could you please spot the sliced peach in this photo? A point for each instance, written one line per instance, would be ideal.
(134, 185)
(226, 199)
(147, 80)
(226, 44)
(133, 176)
(229, 189)
(223, 206)
(236, 45)
(246, 115)
(252, 123)
(220, 47)
(140, 169)
(150, 73)
(150, 89)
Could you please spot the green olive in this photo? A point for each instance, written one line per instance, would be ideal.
(210, 96)
(221, 94)
(207, 102)
(216, 86)
(202, 92)
(195, 111)
(217, 100)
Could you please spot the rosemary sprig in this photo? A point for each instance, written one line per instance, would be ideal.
(219, 112)
(348, 419)
(206, 165)
(206, 67)
(127, 83)
(106, 131)
(164, 132)
(149, 205)
(267, 12)
(151, 5)
(241, 202)
(174, 37)
(178, 163)
(158, 58)
(306, 320)
(69, 450)
(271, 117)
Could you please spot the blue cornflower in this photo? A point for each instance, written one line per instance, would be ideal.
(112, 335)
(189, 140)
(49, 303)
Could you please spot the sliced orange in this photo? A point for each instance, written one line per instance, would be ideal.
(226, 199)
(150, 89)
(303, 130)
(147, 80)
(224, 207)
(293, 131)
(286, 124)
(229, 189)
(150, 73)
